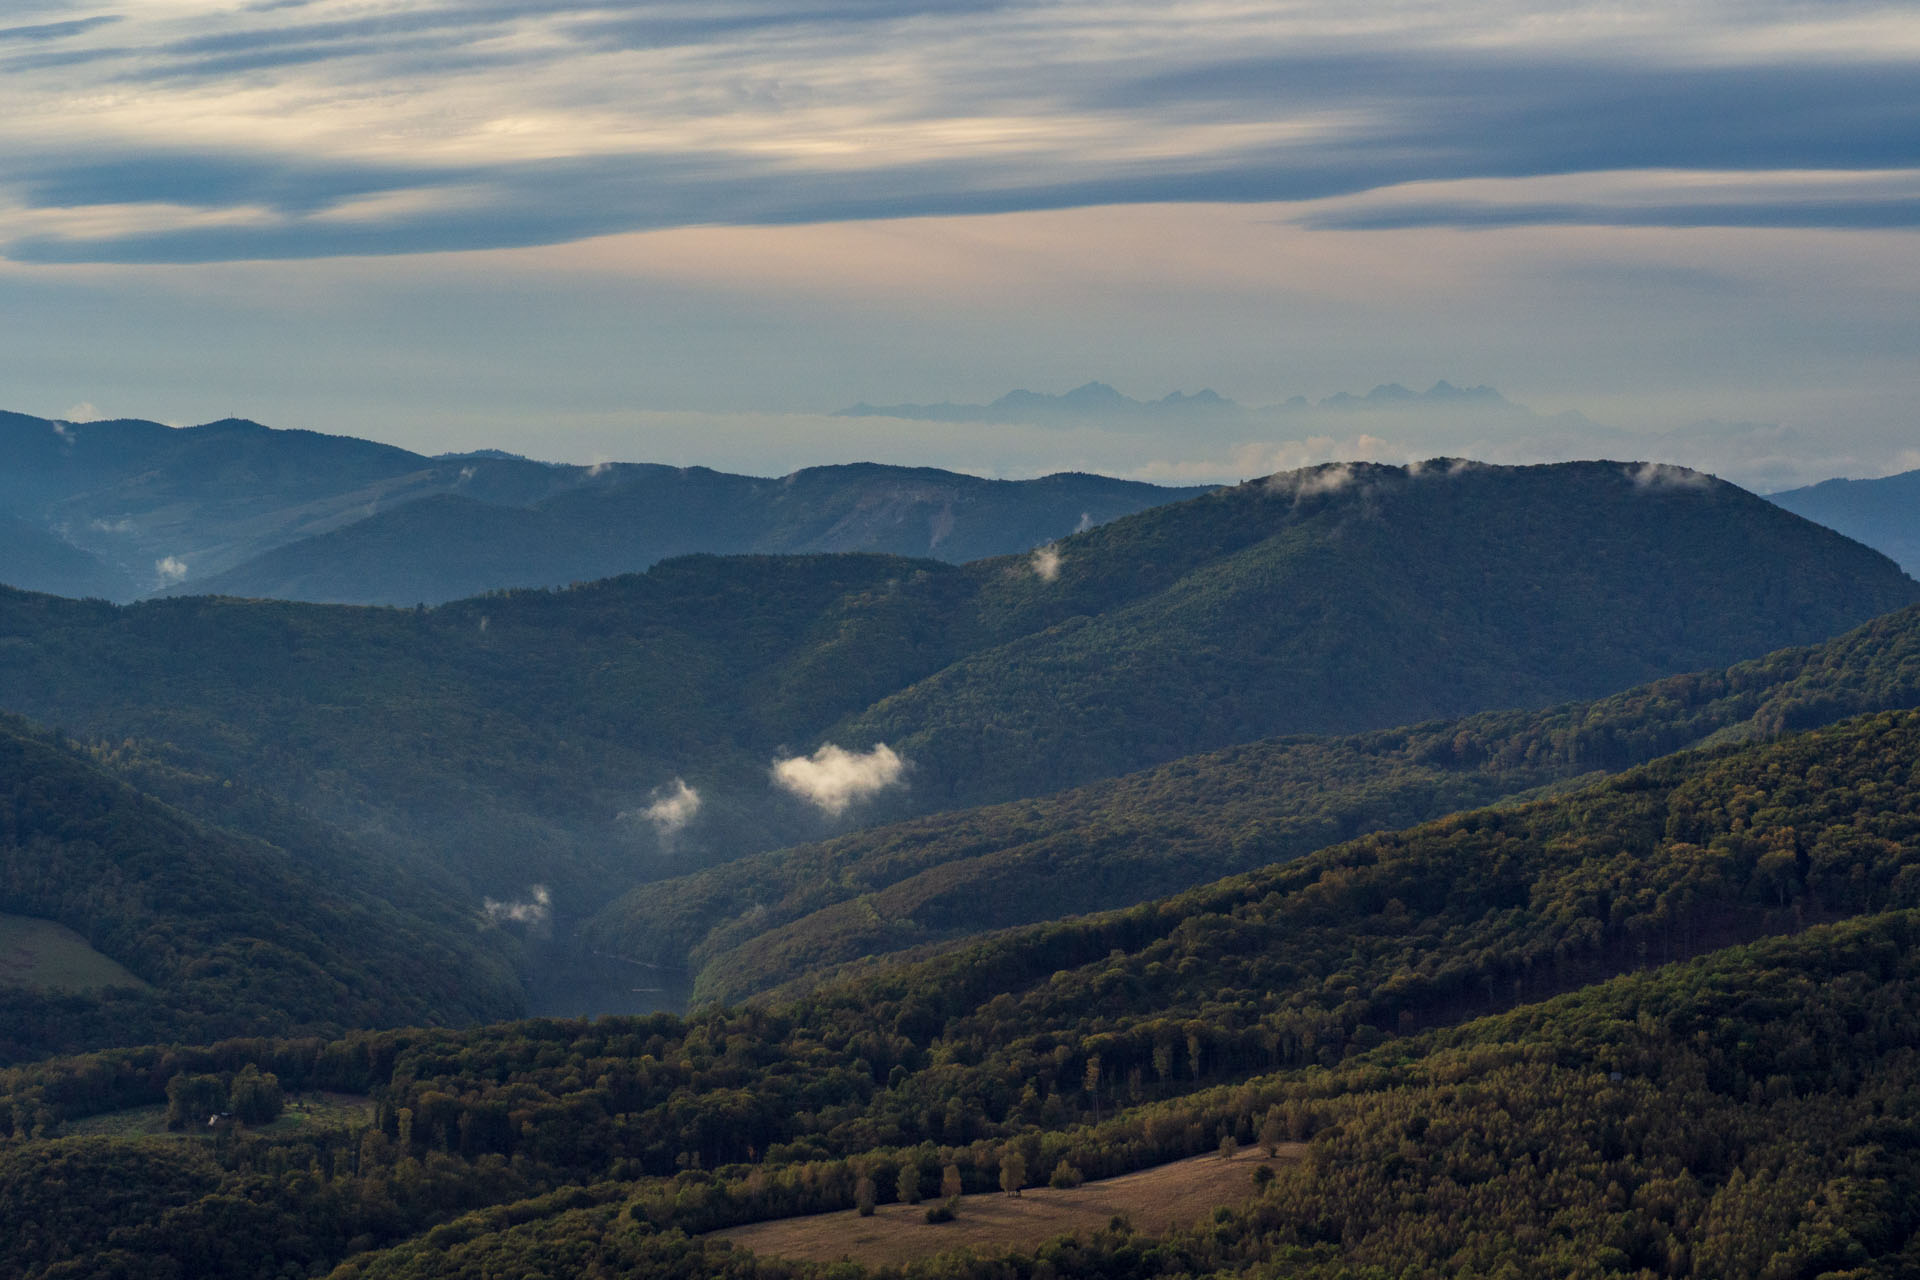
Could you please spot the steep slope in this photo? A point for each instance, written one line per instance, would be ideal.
(759, 922)
(516, 739)
(230, 935)
(445, 547)
(1884, 514)
(237, 508)
(1354, 597)
(523, 739)
(36, 559)
(1464, 1020)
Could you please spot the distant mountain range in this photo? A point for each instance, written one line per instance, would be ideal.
(537, 737)
(125, 509)
(1096, 401)
(629, 517)
(1883, 513)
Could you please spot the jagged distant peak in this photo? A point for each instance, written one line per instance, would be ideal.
(1093, 397)
(1103, 398)
(1395, 394)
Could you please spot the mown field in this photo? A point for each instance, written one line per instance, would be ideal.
(40, 953)
(1168, 1197)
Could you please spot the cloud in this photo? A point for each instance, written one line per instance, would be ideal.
(82, 412)
(589, 122)
(1665, 475)
(56, 30)
(1046, 562)
(171, 569)
(833, 778)
(1310, 481)
(534, 912)
(674, 806)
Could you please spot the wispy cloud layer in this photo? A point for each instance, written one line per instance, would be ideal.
(191, 132)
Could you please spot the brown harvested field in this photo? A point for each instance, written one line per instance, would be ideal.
(1170, 1195)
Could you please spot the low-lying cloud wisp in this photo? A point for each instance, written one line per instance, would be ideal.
(1665, 475)
(1046, 562)
(534, 912)
(833, 778)
(673, 807)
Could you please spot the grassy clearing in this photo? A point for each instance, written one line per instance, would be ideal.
(40, 953)
(303, 1111)
(1170, 1195)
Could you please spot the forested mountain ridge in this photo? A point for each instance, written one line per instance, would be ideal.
(128, 508)
(1880, 513)
(1754, 1108)
(523, 738)
(1359, 596)
(231, 935)
(754, 923)
(445, 547)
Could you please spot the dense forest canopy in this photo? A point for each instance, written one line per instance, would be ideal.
(792, 915)
(506, 736)
(1488, 1028)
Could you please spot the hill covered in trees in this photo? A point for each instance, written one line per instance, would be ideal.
(626, 519)
(1357, 596)
(592, 739)
(1879, 513)
(128, 508)
(1670, 1022)
(226, 934)
(755, 923)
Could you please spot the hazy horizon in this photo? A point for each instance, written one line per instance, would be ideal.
(599, 228)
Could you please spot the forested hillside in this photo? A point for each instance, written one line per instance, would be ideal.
(628, 518)
(523, 737)
(1883, 513)
(1359, 596)
(227, 935)
(755, 923)
(127, 508)
(1745, 1113)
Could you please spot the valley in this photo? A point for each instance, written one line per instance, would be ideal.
(649, 923)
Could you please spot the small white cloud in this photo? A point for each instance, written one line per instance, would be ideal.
(1664, 475)
(1328, 478)
(1046, 562)
(673, 807)
(82, 412)
(467, 473)
(123, 525)
(171, 569)
(1086, 523)
(833, 778)
(534, 912)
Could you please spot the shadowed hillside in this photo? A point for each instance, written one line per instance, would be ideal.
(1884, 514)
(587, 740)
(132, 508)
(1693, 986)
(777, 918)
(227, 935)
(449, 546)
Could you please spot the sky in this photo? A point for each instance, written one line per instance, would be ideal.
(690, 231)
